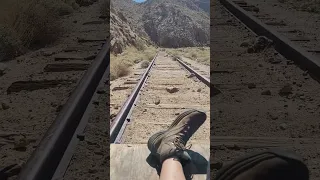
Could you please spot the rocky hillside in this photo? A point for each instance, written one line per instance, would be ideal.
(179, 23)
(203, 4)
(122, 34)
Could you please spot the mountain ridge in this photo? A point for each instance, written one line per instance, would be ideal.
(180, 23)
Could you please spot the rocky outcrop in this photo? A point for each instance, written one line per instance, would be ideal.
(133, 13)
(122, 34)
(174, 25)
(204, 5)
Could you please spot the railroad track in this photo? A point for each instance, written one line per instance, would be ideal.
(50, 94)
(266, 99)
(53, 154)
(167, 88)
(295, 32)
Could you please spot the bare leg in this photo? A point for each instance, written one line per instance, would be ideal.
(169, 145)
(172, 170)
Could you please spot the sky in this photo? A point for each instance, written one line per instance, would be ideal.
(139, 1)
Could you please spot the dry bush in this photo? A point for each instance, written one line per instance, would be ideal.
(118, 69)
(200, 54)
(144, 64)
(150, 56)
(137, 60)
(149, 53)
(130, 56)
(36, 23)
(173, 52)
(140, 45)
(175, 57)
(10, 44)
(31, 23)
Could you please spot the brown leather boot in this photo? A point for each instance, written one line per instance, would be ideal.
(165, 144)
(268, 165)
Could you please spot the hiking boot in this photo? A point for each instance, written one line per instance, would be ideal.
(171, 142)
(268, 165)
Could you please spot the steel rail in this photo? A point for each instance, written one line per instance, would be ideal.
(283, 45)
(79, 134)
(198, 75)
(213, 90)
(46, 158)
(122, 116)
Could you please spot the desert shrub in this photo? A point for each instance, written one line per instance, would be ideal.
(140, 45)
(10, 44)
(120, 63)
(200, 54)
(118, 69)
(36, 24)
(175, 57)
(149, 54)
(144, 64)
(30, 23)
(137, 60)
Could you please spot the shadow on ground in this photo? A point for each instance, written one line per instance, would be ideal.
(198, 164)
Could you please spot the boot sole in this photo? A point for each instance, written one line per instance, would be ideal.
(156, 136)
(232, 170)
(180, 117)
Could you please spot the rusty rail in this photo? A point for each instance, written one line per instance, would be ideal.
(282, 44)
(122, 117)
(198, 75)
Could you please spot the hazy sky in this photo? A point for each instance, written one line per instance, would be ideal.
(139, 0)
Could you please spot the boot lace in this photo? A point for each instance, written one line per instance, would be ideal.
(180, 144)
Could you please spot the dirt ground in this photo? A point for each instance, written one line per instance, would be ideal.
(91, 157)
(36, 85)
(262, 94)
(121, 88)
(300, 26)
